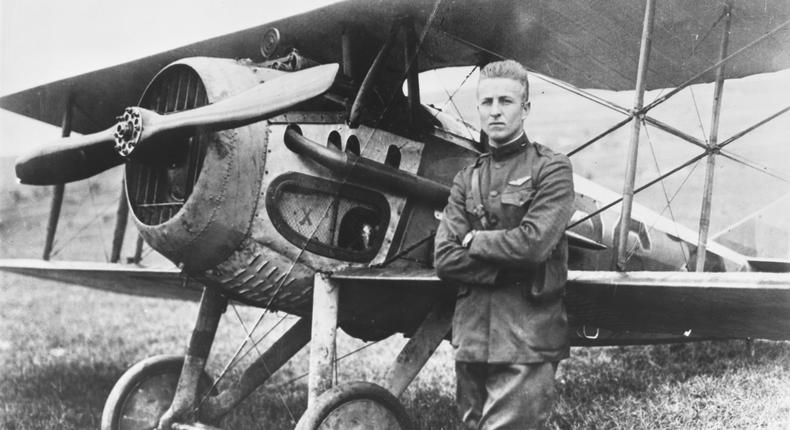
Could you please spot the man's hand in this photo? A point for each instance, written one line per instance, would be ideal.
(467, 242)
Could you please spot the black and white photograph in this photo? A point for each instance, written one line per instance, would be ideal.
(395, 214)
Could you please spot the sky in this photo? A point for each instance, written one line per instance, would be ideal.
(42, 41)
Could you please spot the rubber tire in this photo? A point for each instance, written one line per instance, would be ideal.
(342, 394)
(142, 371)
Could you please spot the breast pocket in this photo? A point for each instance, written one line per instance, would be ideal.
(515, 203)
(518, 196)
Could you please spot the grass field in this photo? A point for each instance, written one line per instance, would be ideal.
(63, 347)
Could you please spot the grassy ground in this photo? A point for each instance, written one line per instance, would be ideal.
(62, 348)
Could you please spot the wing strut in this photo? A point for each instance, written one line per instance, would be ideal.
(370, 78)
(707, 196)
(121, 218)
(59, 189)
(633, 146)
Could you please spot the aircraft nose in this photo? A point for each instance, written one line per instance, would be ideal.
(194, 203)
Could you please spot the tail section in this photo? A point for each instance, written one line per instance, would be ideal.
(763, 237)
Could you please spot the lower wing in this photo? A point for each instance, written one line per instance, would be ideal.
(699, 305)
(128, 279)
(737, 305)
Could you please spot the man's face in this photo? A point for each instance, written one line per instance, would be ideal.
(500, 102)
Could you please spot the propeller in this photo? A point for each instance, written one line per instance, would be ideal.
(79, 157)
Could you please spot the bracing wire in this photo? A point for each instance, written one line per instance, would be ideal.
(236, 358)
(263, 363)
(699, 41)
(699, 117)
(754, 165)
(101, 230)
(451, 100)
(338, 359)
(327, 210)
(668, 206)
(84, 227)
(680, 187)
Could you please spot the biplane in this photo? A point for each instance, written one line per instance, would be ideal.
(293, 167)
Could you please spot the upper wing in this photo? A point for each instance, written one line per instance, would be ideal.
(140, 281)
(738, 305)
(591, 44)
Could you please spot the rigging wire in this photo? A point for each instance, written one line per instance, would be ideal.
(329, 207)
(699, 41)
(680, 187)
(263, 363)
(385, 111)
(699, 117)
(666, 198)
(326, 211)
(82, 229)
(750, 216)
(91, 182)
(338, 359)
(638, 190)
(236, 359)
(556, 82)
(719, 63)
(450, 99)
(753, 165)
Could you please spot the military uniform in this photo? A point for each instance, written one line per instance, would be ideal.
(509, 315)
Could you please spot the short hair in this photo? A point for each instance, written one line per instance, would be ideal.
(507, 69)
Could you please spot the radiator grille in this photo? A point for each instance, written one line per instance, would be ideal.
(157, 192)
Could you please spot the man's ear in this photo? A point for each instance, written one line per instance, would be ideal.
(525, 107)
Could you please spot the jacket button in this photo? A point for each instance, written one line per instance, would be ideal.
(498, 165)
(494, 193)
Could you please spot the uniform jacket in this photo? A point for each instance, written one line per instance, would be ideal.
(527, 191)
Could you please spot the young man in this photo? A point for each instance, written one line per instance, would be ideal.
(501, 240)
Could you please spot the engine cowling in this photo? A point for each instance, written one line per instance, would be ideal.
(195, 203)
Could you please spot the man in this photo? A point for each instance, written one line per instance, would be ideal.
(501, 239)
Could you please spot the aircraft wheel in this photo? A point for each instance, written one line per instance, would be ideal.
(356, 405)
(144, 392)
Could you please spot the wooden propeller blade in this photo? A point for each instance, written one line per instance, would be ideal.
(69, 159)
(80, 157)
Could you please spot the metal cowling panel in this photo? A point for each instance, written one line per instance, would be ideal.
(196, 208)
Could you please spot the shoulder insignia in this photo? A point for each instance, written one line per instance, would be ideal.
(520, 181)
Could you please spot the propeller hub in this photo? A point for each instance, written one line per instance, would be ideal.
(128, 131)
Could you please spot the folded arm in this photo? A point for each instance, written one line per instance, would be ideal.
(542, 226)
(452, 261)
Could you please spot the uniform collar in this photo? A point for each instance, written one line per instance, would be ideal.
(514, 146)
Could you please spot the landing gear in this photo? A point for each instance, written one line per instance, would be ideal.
(355, 405)
(145, 392)
(170, 392)
(363, 405)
